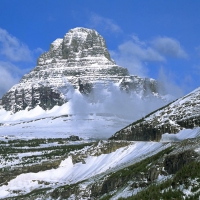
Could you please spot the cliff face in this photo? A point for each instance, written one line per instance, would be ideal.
(182, 113)
(31, 95)
(80, 59)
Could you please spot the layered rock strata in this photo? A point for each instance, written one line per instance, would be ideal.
(80, 59)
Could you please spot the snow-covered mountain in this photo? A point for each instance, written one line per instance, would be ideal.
(79, 59)
(54, 123)
(181, 114)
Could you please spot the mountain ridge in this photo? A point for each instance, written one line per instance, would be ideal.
(178, 115)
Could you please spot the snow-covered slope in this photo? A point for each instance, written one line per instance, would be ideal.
(79, 59)
(109, 169)
(109, 111)
(68, 173)
(38, 123)
(182, 113)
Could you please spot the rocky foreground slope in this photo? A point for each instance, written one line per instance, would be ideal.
(79, 59)
(180, 114)
(66, 169)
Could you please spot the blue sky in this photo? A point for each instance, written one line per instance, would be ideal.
(158, 39)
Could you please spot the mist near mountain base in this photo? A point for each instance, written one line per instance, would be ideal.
(168, 85)
(110, 100)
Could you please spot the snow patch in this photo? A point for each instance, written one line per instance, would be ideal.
(181, 135)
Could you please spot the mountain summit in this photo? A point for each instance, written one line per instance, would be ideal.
(77, 47)
(81, 59)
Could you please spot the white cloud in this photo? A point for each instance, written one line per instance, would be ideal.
(12, 48)
(137, 40)
(7, 80)
(107, 24)
(9, 75)
(112, 100)
(168, 85)
(169, 47)
(135, 55)
(38, 50)
(142, 53)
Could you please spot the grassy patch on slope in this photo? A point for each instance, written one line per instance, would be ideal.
(170, 188)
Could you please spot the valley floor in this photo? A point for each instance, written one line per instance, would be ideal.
(55, 123)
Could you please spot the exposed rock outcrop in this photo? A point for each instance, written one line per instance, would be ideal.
(35, 94)
(175, 162)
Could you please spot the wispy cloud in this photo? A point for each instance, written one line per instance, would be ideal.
(38, 50)
(110, 100)
(198, 50)
(9, 75)
(136, 54)
(168, 85)
(169, 47)
(196, 69)
(97, 21)
(137, 40)
(12, 48)
(143, 53)
(11, 51)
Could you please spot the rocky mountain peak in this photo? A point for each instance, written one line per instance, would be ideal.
(77, 44)
(81, 59)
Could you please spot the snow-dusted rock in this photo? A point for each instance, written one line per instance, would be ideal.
(80, 59)
(169, 120)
